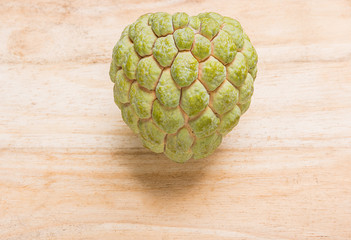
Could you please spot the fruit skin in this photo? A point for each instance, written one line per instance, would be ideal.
(183, 82)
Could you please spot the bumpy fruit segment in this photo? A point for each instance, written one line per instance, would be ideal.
(183, 82)
(178, 146)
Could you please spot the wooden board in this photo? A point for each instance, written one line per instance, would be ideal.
(71, 169)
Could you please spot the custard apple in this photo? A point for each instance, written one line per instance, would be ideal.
(182, 82)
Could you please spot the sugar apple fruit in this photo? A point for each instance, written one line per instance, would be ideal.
(182, 82)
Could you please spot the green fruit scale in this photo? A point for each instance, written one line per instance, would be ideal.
(183, 82)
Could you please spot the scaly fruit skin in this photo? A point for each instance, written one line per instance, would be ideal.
(183, 82)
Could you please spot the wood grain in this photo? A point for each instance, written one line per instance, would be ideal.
(71, 169)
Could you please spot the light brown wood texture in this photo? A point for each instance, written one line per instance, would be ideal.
(71, 169)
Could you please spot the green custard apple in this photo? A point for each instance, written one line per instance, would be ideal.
(182, 82)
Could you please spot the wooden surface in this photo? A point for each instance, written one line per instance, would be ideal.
(71, 169)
